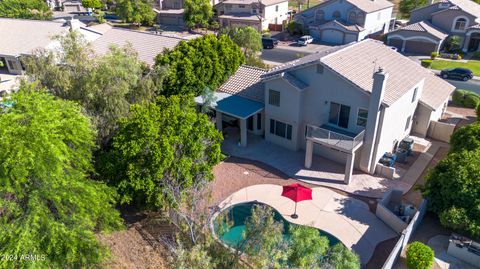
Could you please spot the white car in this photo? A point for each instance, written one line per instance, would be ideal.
(305, 40)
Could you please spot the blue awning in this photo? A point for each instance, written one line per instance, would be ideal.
(233, 105)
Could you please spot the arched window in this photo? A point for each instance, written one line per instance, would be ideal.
(336, 15)
(460, 24)
(319, 16)
(360, 19)
(352, 17)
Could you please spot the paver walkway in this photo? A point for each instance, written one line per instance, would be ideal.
(346, 218)
(325, 172)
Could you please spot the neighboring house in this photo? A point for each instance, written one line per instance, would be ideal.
(73, 6)
(351, 103)
(345, 21)
(22, 37)
(170, 12)
(430, 26)
(256, 13)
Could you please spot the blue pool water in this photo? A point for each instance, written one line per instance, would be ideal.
(239, 213)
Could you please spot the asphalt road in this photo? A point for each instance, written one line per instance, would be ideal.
(471, 85)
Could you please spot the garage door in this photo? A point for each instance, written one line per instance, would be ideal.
(419, 47)
(350, 38)
(169, 20)
(394, 42)
(332, 37)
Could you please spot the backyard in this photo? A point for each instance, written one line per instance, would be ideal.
(444, 64)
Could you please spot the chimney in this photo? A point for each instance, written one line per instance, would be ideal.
(373, 128)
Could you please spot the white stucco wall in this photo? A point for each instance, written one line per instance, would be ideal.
(376, 21)
(270, 13)
(394, 121)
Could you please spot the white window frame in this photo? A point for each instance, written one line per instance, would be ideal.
(358, 116)
(270, 98)
(467, 23)
(274, 126)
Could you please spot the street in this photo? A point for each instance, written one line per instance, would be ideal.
(471, 85)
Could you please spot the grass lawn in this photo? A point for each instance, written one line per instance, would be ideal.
(443, 64)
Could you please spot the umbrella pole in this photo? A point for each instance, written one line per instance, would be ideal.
(294, 216)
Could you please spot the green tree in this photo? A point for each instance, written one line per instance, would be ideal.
(453, 191)
(25, 9)
(48, 206)
(246, 38)
(161, 149)
(204, 62)
(263, 239)
(340, 257)
(105, 86)
(466, 138)
(92, 3)
(197, 13)
(135, 11)
(406, 6)
(307, 247)
(419, 256)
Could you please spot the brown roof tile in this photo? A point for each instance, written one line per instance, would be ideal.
(246, 83)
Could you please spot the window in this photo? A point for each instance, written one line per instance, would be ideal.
(352, 17)
(319, 68)
(407, 124)
(460, 24)
(362, 117)
(228, 7)
(259, 121)
(13, 65)
(414, 95)
(254, 11)
(281, 129)
(339, 114)
(336, 14)
(241, 6)
(360, 18)
(319, 16)
(274, 98)
(276, 8)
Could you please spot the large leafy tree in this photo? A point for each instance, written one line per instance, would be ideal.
(250, 41)
(307, 246)
(204, 62)
(135, 11)
(466, 138)
(406, 6)
(160, 151)
(197, 13)
(92, 3)
(105, 85)
(453, 191)
(25, 9)
(48, 205)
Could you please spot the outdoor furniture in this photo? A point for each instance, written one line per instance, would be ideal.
(297, 193)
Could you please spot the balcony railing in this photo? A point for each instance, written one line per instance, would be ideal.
(328, 137)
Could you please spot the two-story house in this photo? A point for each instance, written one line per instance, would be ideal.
(256, 13)
(345, 21)
(431, 25)
(350, 104)
(170, 12)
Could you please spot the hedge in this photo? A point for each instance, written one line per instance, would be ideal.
(426, 63)
(419, 256)
(466, 99)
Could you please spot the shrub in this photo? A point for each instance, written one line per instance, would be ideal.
(426, 63)
(476, 55)
(419, 256)
(466, 99)
(466, 138)
(478, 112)
(433, 55)
(294, 28)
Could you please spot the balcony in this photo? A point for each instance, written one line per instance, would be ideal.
(344, 141)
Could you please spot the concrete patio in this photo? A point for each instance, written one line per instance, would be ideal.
(324, 172)
(348, 219)
(8, 82)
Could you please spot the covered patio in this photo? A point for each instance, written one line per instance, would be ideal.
(235, 111)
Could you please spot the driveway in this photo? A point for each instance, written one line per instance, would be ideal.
(346, 218)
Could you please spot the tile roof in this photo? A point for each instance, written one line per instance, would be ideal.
(241, 16)
(248, 2)
(349, 27)
(24, 36)
(468, 6)
(476, 26)
(147, 45)
(294, 81)
(245, 82)
(425, 27)
(369, 5)
(357, 63)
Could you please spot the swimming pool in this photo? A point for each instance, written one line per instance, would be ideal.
(239, 213)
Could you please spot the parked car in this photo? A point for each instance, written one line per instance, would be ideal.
(457, 73)
(269, 43)
(305, 40)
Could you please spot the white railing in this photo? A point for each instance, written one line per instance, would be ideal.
(325, 136)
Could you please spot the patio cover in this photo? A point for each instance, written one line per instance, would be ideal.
(233, 105)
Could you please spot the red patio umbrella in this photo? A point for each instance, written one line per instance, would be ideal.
(297, 193)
